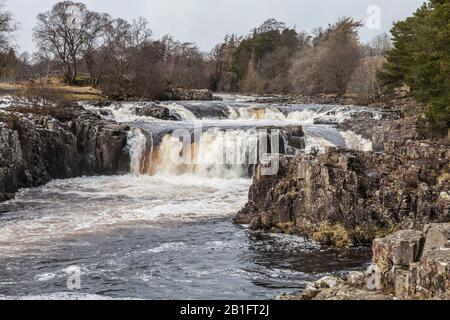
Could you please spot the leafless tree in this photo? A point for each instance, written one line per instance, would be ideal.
(7, 27)
(329, 65)
(381, 44)
(140, 32)
(66, 32)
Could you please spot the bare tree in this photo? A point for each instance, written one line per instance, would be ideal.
(329, 65)
(140, 32)
(381, 44)
(7, 27)
(66, 32)
(364, 82)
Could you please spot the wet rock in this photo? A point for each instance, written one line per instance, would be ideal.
(3, 209)
(333, 288)
(419, 265)
(404, 267)
(103, 104)
(391, 128)
(157, 111)
(190, 95)
(348, 197)
(36, 148)
(401, 249)
(304, 99)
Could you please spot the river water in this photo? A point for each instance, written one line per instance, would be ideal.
(164, 231)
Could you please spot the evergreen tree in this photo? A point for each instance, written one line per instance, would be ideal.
(420, 59)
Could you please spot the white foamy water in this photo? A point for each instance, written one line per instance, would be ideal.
(167, 225)
(357, 142)
(76, 207)
(215, 153)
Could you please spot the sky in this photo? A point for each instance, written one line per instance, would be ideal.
(206, 22)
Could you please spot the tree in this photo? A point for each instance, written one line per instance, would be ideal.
(253, 82)
(364, 82)
(329, 64)
(420, 59)
(7, 27)
(342, 55)
(222, 77)
(381, 44)
(268, 49)
(140, 32)
(66, 32)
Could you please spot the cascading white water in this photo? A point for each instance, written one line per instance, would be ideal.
(223, 154)
(357, 142)
(256, 113)
(306, 116)
(183, 113)
(219, 153)
(137, 146)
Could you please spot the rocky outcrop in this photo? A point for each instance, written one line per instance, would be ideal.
(348, 198)
(392, 128)
(305, 99)
(190, 95)
(39, 145)
(407, 265)
(158, 112)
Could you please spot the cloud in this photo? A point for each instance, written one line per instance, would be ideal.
(207, 21)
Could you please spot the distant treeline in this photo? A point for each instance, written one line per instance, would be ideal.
(124, 60)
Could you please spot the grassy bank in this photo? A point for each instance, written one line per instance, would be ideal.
(71, 93)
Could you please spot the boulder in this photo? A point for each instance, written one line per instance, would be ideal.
(437, 237)
(157, 111)
(407, 265)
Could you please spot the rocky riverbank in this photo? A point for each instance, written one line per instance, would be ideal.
(40, 143)
(408, 265)
(349, 198)
(396, 197)
(304, 99)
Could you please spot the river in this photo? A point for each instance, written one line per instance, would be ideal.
(165, 230)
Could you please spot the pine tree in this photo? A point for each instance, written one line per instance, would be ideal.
(420, 59)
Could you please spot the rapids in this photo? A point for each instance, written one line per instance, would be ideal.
(164, 230)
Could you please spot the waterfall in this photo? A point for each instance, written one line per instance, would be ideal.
(303, 116)
(230, 148)
(138, 146)
(256, 113)
(181, 112)
(217, 154)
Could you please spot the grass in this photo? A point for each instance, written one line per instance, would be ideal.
(70, 93)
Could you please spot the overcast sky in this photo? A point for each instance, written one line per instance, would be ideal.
(206, 22)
